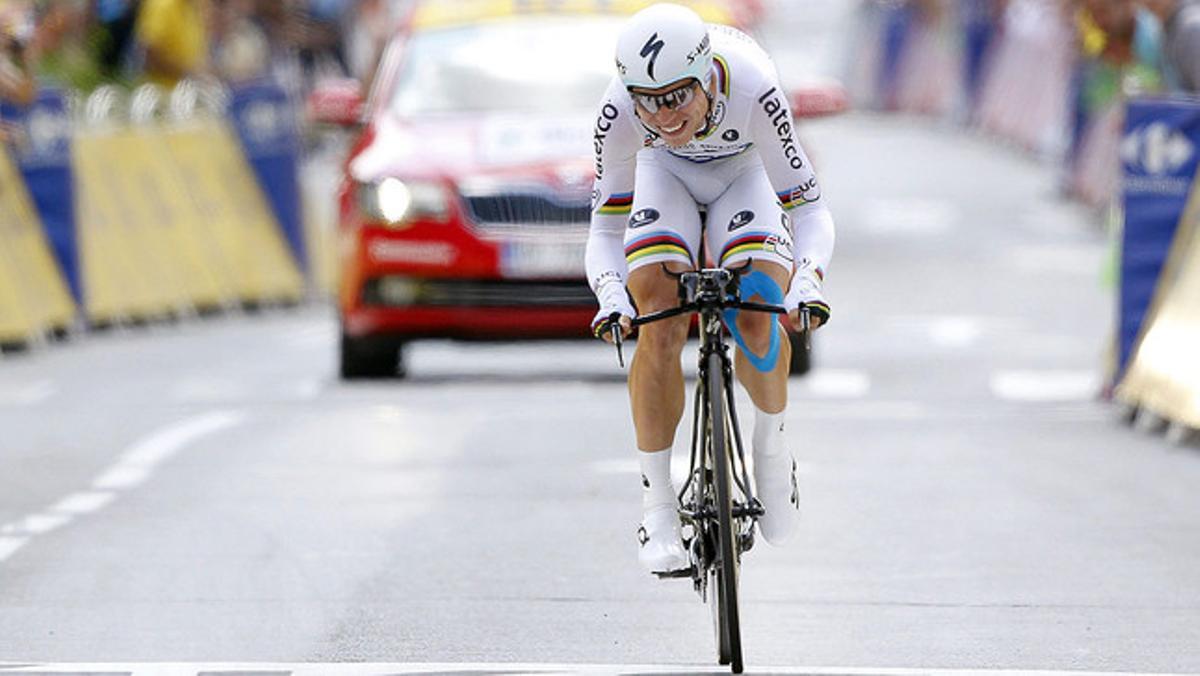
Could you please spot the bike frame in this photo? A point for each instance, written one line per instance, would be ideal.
(718, 495)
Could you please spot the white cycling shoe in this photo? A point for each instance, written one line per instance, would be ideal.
(661, 549)
(775, 479)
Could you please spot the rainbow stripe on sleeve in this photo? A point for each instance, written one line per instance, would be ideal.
(656, 243)
(620, 203)
(791, 198)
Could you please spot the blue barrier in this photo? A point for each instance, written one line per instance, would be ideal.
(42, 152)
(265, 123)
(1160, 152)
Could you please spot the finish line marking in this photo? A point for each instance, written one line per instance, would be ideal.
(388, 669)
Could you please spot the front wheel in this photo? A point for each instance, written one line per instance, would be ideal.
(801, 358)
(725, 593)
(370, 357)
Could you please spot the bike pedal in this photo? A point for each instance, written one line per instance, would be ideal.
(672, 574)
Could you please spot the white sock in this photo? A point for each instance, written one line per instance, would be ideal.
(768, 434)
(657, 489)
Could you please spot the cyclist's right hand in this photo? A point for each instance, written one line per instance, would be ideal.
(608, 317)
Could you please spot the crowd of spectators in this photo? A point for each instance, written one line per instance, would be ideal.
(82, 44)
(1049, 75)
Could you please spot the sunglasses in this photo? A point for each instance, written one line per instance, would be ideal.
(674, 99)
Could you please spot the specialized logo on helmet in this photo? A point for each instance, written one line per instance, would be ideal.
(741, 219)
(621, 68)
(643, 217)
(651, 49)
(700, 50)
(731, 135)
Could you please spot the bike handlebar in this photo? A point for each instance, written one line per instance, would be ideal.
(696, 307)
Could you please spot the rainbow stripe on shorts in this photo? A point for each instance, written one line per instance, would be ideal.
(655, 244)
(751, 241)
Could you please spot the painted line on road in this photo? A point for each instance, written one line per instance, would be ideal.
(834, 384)
(10, 545)
(134, 467)
(30, 394)
(1045, 386)
(380, 669)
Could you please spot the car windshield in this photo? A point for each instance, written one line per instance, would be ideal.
(537, 64)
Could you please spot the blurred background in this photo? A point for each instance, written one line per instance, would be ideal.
(284, 283)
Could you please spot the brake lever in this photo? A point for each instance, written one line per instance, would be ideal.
(806, 327)
(616, 334)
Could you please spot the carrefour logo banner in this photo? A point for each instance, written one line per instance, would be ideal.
(43, 135)
(1160, 152)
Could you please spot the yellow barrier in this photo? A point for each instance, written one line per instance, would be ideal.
(1164, 374)
(34, 298)
(222, 187)
(170, 218)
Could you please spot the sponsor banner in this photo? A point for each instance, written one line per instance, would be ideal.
(266, 124)
(34, 298)
(1160, 150)
(1164, 374)
(41, 148)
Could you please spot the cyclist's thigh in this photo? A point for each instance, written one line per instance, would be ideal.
(664, 228)
(747, 222)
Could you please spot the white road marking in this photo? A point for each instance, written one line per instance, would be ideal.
(134, 467)
(38, 524)
(1045, 386)
(955, 332)
(834, 384)
(29, 394)
(910, 216)
(380, 669)
(9, 546)
(83, 503)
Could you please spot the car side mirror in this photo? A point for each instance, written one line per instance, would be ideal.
(818, 99)
(336, 102)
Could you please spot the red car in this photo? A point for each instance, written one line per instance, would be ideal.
(465, 202)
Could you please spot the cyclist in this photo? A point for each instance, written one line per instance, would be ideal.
(696, 117)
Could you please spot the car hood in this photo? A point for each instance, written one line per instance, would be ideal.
(476, 145)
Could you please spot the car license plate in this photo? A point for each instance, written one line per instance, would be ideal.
(524, 259)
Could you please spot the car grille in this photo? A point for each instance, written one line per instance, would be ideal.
(485, 293)
(527, 209)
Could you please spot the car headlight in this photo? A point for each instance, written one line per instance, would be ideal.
(398, 203)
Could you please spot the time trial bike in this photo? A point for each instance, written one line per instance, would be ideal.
(717, 507)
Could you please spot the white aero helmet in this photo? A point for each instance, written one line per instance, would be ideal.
(661, 45)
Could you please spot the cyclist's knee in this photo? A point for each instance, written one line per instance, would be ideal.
(663, 339)
(755, 329)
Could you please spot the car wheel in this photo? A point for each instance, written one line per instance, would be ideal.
(801, 358)
(371, 357)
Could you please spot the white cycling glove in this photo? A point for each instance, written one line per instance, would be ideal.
(806, 289)
(613, 300)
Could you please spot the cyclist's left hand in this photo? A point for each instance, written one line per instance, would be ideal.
(805, 290)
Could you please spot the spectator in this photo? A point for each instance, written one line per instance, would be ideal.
(16, 80)
(173, 36)
(64, 46)
(1181, 41)
(115, 24)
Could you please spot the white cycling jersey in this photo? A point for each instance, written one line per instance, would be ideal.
(750, 130)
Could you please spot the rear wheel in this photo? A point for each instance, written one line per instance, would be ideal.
(371, 357)
(725, 591)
